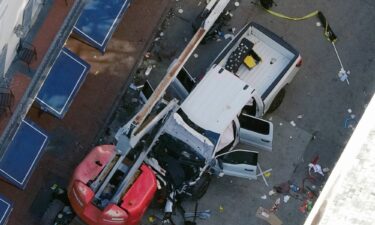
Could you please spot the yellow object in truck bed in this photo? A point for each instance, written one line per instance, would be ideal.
(250, 61)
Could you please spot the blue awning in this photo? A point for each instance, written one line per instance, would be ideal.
(99, 20)
(5, 208)
(63, 82)
(22, 154)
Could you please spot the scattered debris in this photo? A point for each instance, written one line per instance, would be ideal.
(151, 219)
(267, 174)
(282, 188)
(134, 100)
(271, 192)
(276, 205)
(300, 116)
(263, 197)
(316, 168)
(294, 188)
(195, 55)
(228, 36)
(286, 198)
(306, 206)
(133, 87)
(204, 215)
(270, 119)
(318, 24)
(148, 70)
(180, 11)
(292, 123)
(290, 137)
(262, 174)
(350, 121)
(326, 170)
(349, 110)
(268, 216)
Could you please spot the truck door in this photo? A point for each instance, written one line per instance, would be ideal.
(182, 85)
(255, 132)
(239, 163)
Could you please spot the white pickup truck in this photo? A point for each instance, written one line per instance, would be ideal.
(245, 81)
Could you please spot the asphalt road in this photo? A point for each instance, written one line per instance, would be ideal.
(317, 101)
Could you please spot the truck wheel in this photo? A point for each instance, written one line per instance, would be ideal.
(50, 214)
(277, 101)
(201, 187)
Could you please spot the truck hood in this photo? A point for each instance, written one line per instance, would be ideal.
(217, 100)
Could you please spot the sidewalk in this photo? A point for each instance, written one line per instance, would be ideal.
(72, 137)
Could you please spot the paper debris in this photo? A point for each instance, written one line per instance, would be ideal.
(280, 124)
(318, 24)
(228, 36)
(270, 119)
(180, 11)
(316, 168)
(290, 137)
(300, 116)
(151, 219)
(263, 197)
(195, 55)
(237, 4)
(271, 192)
(286, 198)
(132, 86)
(349, 110)
(292, 123)
(148, 70)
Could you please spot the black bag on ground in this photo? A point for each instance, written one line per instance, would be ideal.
(267, 4)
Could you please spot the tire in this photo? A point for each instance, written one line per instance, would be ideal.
(50, 214)
(201, 187)
(277, 101)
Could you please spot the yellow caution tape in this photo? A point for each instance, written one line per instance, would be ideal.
(328, 33)
(292, 18)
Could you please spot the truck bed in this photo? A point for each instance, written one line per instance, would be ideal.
(276, 57)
